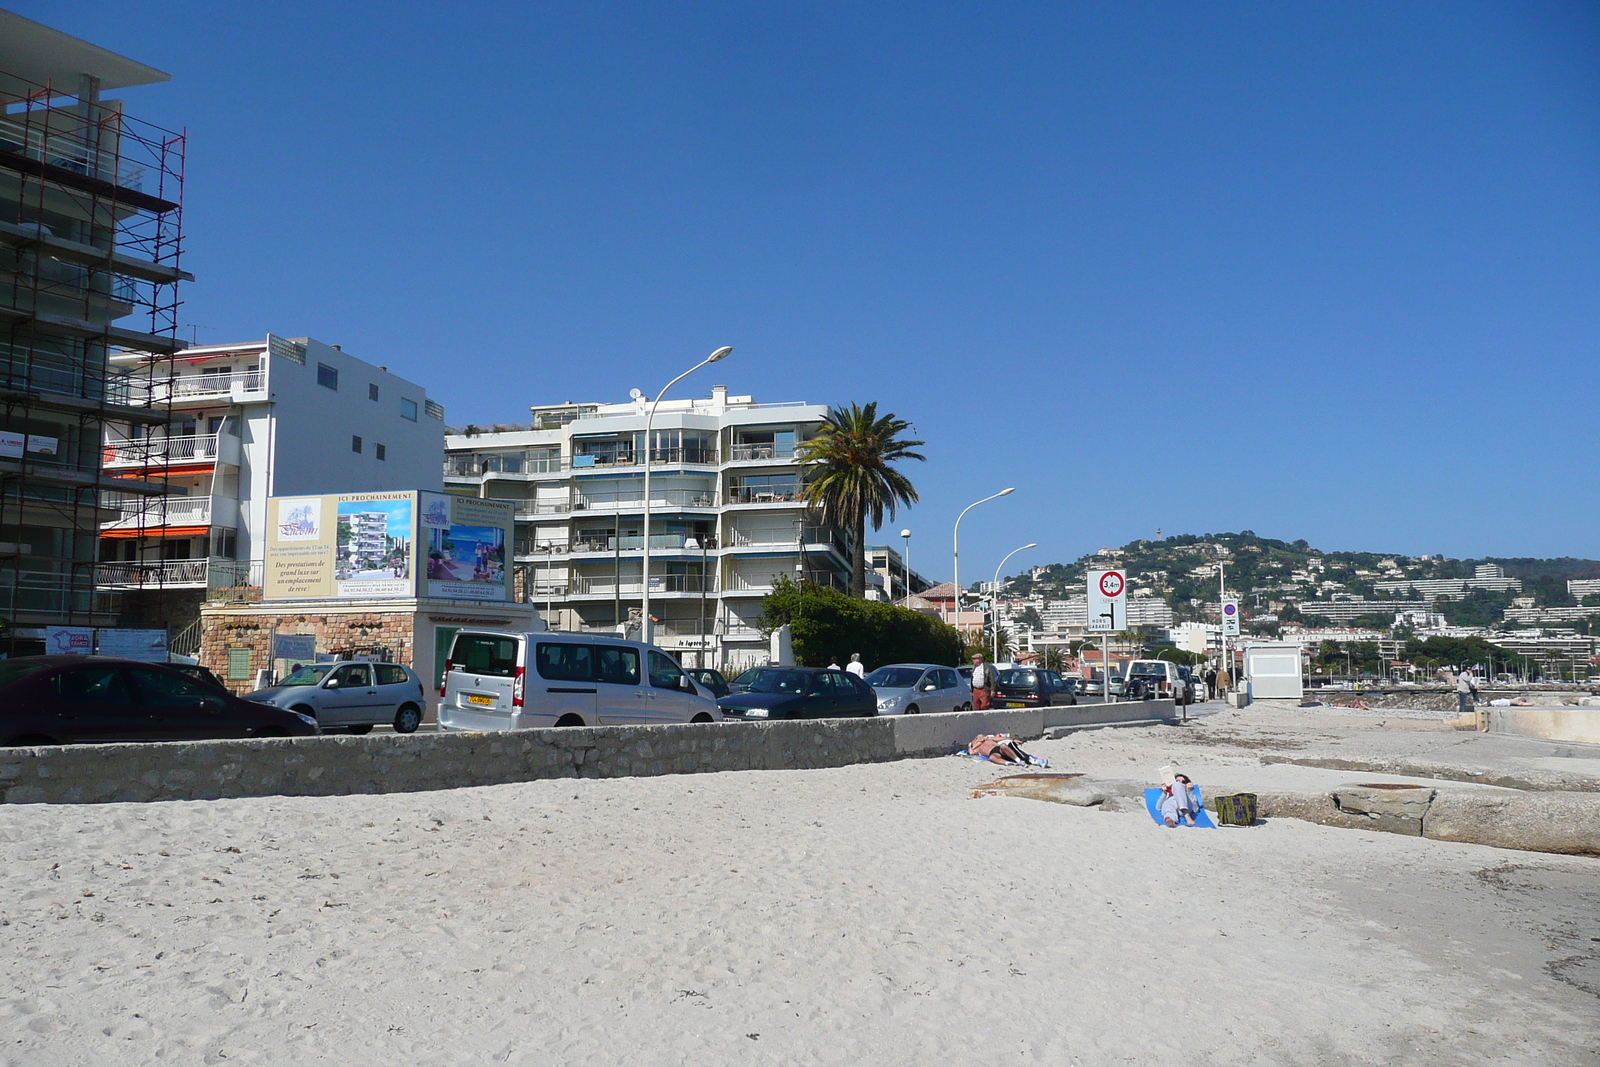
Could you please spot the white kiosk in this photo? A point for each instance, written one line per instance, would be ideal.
(1272, 669)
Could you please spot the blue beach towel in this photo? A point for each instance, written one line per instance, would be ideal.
(1152, 804)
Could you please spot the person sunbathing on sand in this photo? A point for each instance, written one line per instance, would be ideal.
(1178, 801)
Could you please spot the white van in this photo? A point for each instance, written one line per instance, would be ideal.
(496, 680)
(1159, 677)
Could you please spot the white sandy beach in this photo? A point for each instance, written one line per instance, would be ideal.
(873, 914)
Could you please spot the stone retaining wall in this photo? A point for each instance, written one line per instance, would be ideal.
(391, 763)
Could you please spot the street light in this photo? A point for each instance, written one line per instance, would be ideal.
(994, 596)
(649, 418)
(955, 551)
(905, 559)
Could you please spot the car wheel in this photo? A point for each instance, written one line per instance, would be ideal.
(967, 706)
(912, 709)
(407, 719)
(363, 728)
(702, 717)
(570, 720)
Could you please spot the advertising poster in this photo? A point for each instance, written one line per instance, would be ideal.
(375, 539)
(299, 552)
(68, 640)
(149, 645)
(466, 541)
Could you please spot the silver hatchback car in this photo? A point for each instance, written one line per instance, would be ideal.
(351, 696)
(912, 688)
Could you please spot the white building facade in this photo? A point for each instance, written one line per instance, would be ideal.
(249, 421)
(728, 519)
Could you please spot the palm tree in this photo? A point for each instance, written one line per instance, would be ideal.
(851, 478)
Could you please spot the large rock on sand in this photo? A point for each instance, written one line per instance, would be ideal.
(1534, 822)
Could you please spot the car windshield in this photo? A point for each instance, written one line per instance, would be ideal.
(1021, 679)
(309, 675)
(894, 677)
(1147, 668)
(768, 680)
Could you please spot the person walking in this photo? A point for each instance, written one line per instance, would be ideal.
(1211, 684)
(1466, 691)
(983, 683)
(855, 667)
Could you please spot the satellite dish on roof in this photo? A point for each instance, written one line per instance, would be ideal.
(636, 394)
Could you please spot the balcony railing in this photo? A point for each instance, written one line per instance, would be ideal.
(762, 582)
(746, 453)
(683, 498)
(473, 465)
(529, 509)
(195, 386)
(659, 583)
(665, 541)
(160, 511)
(159, 450)
(766, 494)
(210, 573)
(633, 457)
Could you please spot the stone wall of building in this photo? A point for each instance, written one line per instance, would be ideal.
(221, 631)
(395, 763)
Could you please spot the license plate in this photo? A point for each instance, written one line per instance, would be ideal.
(478, 698)
(1015, 704)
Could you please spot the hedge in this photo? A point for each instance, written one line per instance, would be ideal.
(828, 626)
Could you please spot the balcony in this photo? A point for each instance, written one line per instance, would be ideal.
(607, 585)
(199, 449)
(660, 457)
(532, 509)
(660, 498)
(184, 388)
(763, 582)
(666, 542)
(500, 464)
(156, 513)
(766, 494)
(767, 453)
(180, 573)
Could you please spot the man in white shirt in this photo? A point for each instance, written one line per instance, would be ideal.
(982, 683)
(855, 667)
(1466, 691)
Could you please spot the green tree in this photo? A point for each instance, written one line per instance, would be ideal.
(851, 477)
(827, 625)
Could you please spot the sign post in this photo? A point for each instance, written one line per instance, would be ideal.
(1108, 613)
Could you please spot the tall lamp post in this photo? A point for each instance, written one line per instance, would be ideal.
(955, 550)
(649, 419)
(994, 596)
(905, 560)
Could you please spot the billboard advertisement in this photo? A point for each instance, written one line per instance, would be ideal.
(467, 541)
(378, 545)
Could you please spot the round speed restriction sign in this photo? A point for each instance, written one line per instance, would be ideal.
(1111, 583)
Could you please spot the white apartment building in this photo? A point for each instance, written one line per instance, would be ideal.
(727, 515)
(250, 421)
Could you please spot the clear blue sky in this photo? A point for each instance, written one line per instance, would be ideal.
(1322, 271)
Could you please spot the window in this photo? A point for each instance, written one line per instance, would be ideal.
(92, 685)
(372, 391)
(238, 664)
(566, 663)
(408, 409)
(664, 674)
(485, 654)
(947, 679)
(328, 377)
(353, 676)
(162, 690)
(618, 666)
(355, 443)
(390, 674)
(380, 452)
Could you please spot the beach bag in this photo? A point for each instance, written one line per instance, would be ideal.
(1238, 809)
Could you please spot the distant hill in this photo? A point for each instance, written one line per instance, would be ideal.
(1274, 575)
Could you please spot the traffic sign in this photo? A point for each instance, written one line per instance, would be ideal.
(1230, 618)
(1108, 612)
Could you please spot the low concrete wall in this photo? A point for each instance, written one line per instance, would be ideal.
(391, 763)
(1557, 724)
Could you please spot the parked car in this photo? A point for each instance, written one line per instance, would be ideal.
(498, 680)
(1027, 687)
(913, 688)
(1148, 679)
(60, 700)
(351, 696)
(799, 693)
(712, 681)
